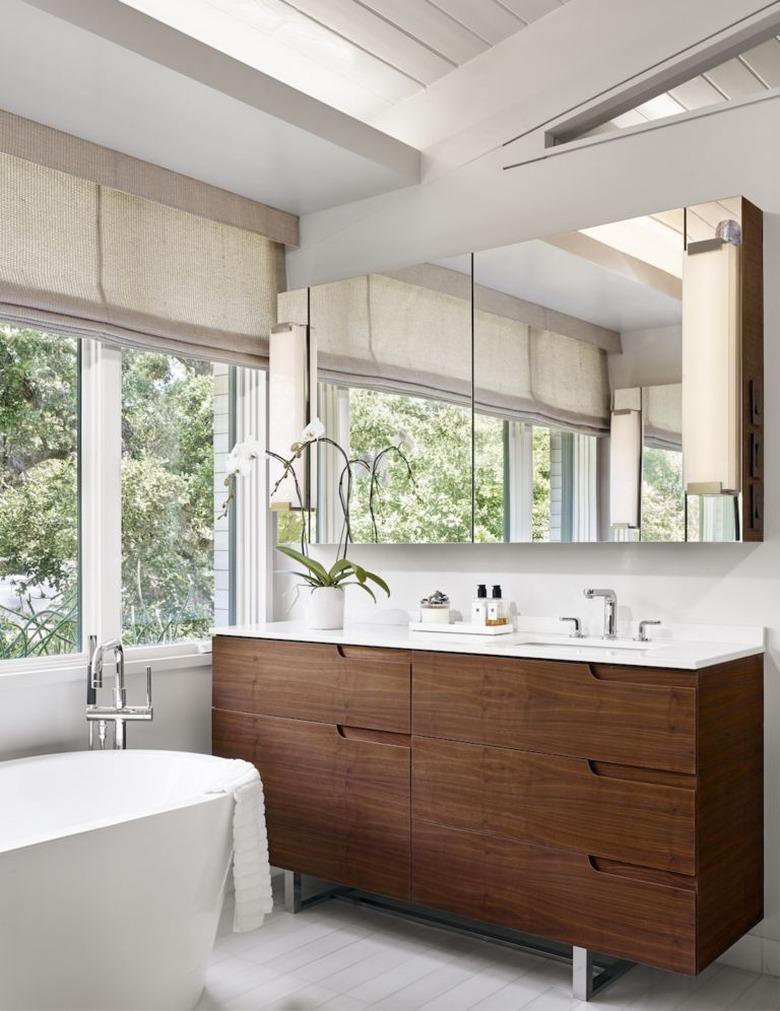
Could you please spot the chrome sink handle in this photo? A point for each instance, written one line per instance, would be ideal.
(642, 636)
(576, 632)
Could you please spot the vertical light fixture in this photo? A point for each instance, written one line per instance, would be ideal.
(625, 460)
(292, 392)
(711, 364)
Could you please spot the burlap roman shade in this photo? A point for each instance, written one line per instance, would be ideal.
(87, 258)
(381, 332)
(374, 331)
(662, 407)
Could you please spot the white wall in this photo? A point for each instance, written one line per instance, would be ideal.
(41, 713)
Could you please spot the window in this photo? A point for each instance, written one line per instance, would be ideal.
(436, 507)
(167, 498)
(533, 483)
(663, 502)
(70, 410)
(39, 505)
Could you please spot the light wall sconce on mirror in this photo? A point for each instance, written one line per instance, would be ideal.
(723, 365)
(292, 399)
(625, 460)
(711, 355)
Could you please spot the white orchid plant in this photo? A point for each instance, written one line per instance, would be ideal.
(373, 467)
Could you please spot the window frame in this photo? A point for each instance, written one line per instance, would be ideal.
(99, 511)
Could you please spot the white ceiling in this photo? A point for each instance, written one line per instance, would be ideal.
(360, 56)
(550, 276)
(102, 71)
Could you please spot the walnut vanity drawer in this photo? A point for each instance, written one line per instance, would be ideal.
(556, 894)
(353, 685)
(555, 707)
(337, 805)
(635, 815)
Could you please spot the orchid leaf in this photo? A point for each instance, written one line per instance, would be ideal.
(315, 568)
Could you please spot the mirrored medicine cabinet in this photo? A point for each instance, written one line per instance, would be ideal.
(603, 385)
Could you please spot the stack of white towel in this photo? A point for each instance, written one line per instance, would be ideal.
(251, 866)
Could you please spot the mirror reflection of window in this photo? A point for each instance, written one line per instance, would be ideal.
(435, 506)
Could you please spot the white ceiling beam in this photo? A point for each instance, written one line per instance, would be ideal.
(126, 27)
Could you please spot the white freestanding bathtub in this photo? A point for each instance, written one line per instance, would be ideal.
(112, 875)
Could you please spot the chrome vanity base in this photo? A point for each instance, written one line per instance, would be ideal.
(591, 973)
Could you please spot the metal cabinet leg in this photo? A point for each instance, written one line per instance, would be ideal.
(293, 892)
(581, 973)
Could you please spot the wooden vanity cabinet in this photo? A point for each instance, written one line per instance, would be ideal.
(328, 728)
(612, 807)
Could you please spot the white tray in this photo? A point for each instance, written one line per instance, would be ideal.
(460, 628)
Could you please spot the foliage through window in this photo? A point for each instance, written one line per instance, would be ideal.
(663, 503)
(167, 498)
(39, 521)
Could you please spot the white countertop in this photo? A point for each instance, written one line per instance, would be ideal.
(685, 647)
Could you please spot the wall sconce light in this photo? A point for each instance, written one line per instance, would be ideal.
(711, 374)
(625, 460)
(292, 399)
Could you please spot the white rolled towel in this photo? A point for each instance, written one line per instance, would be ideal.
(251, 866)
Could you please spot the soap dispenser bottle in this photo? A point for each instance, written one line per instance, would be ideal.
(497, 610)
(479, 606)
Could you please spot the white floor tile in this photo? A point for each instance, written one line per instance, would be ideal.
(511, 997)
(266, 994)
(416, 995)
(763, 994)
(336, 957)
(329, 965)
(718, 991)
(387, 983)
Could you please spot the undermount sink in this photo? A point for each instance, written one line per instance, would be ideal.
(593, 641)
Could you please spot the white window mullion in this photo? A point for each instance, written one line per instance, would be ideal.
(252, 512)
(101, 491)
(520, 464)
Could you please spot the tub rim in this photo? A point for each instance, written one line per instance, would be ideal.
(85, 827)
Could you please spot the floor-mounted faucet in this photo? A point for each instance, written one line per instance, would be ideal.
(610, 610)
(120, 713)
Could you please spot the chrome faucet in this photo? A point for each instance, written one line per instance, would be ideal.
(120, 713)
(610, 610)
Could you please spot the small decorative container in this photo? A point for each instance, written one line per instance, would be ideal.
(435, 609)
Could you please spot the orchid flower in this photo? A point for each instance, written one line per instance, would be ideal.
(239, 459)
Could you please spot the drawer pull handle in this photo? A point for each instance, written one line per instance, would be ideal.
(653, 876)
(369, 736)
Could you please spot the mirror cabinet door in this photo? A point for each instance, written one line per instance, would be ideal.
(595, 418)
(394, 398)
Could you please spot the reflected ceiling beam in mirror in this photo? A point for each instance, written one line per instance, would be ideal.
(449, 280)
(611, 258)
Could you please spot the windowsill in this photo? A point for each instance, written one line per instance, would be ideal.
(59, 669)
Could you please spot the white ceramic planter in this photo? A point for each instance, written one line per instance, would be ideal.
(326, 608)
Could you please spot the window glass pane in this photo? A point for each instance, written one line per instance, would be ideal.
(419, 495)
(168, 498)
(663, 503)
(436, 508)
(489, 478)
(39, 523)
(540, 522)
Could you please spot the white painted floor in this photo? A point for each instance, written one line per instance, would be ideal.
(340, 958)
